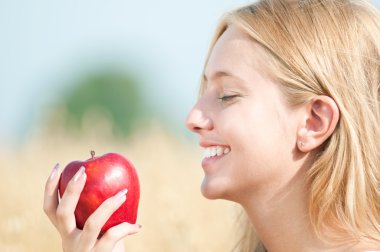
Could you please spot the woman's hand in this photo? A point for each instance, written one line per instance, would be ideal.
(61, 214)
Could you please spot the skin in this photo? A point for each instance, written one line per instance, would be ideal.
(271, 144)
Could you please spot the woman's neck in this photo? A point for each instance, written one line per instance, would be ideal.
(282, 221)
(280, 217)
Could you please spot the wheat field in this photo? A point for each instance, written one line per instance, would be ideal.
(174, 215)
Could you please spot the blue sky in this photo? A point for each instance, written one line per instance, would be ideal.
(45, 44)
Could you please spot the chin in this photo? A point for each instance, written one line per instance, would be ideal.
(213, 189)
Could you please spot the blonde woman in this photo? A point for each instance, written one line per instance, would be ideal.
(288, 114)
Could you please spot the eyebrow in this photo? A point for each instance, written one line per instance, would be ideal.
(220, 74)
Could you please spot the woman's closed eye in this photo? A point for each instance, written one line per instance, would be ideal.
(227, 98)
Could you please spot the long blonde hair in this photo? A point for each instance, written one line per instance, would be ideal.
(328, 47)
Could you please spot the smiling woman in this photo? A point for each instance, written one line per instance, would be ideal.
(288, 115)
(291, 89)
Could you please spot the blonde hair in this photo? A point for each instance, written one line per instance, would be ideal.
(328, 47)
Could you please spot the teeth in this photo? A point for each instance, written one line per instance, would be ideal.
(219, 151)
(216, 151)
(213, 152)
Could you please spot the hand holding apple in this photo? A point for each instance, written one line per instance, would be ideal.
(106, 176)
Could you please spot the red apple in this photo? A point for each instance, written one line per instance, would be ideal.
(106, 176)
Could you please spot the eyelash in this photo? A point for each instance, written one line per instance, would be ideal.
(227, 98)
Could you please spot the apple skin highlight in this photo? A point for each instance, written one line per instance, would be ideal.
(106, 176)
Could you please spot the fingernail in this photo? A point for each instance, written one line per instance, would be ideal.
(121, 193)
(133, 228)
(138, 226)
(120, 196)
(79, 173)
(54, 171)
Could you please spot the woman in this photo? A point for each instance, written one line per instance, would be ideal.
(288, 114)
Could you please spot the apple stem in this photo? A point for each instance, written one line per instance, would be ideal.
(92, 154)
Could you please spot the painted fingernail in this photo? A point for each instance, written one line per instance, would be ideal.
(121, 193)
(120, 196)
(133, 228)
(79, 173)
(54, 171)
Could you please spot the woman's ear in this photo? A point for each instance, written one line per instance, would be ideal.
(320, 120)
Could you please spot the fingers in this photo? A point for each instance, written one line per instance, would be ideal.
(115, 234)
(97, 220)
(65, 211)
(51, 194)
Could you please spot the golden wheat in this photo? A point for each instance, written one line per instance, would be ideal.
(174, 215)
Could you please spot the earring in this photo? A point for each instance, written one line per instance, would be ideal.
(302, 144)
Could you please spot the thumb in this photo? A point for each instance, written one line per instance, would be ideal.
(115, 234)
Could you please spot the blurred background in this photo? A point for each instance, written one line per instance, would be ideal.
(110, 76)
(113, 76)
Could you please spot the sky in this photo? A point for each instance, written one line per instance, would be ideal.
(46, 44)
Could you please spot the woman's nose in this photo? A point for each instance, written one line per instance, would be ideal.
(197, 121)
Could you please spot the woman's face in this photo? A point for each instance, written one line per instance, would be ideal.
(244, 124)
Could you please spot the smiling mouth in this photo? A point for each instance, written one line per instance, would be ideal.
(216, 151)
